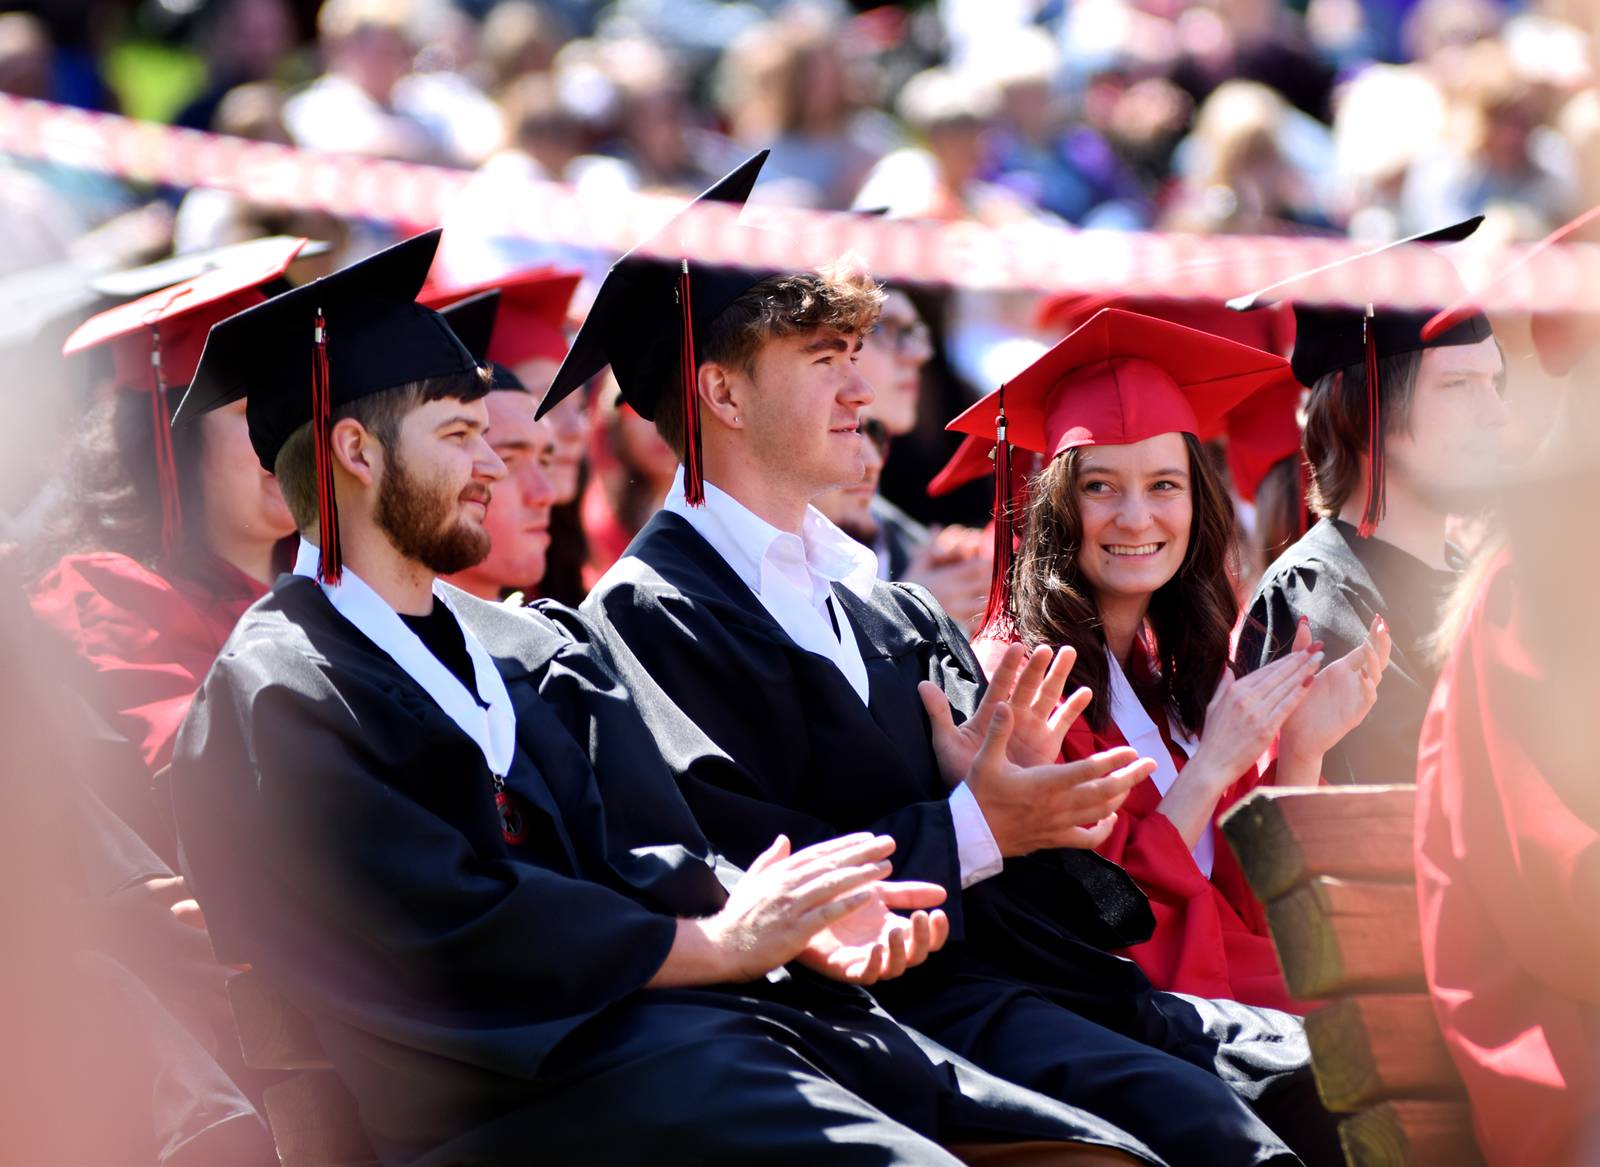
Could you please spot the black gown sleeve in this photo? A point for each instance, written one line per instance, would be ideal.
(719, 707)
(311, 858)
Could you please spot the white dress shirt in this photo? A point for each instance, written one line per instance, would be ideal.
(793, 577)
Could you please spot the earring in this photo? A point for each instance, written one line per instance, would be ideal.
(737, 419)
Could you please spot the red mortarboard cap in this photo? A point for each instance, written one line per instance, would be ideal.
(1119, 378)
(1561, 337)
(1122, 378)
(532, 317)
(1271, 330)
(157, 339)
(175, 320)
(1262, 431)
(973, 458)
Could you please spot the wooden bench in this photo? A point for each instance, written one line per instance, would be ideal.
(313, 1116)
(1334, 867)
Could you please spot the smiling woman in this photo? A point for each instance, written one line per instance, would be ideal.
(1125, 558)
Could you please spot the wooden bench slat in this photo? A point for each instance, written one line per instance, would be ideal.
(1286, 835)
(1372, 1049)
(1411, 1134)
(315, 1122)
(1335, 937)
(273, 1034)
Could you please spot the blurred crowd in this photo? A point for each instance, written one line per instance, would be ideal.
(1367, 118)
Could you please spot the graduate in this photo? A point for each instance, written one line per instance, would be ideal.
(1435, 405)
(170, 536)
(1508, 818)
(518, 521)
(441, 828)
(832, 691)
(1124, 560)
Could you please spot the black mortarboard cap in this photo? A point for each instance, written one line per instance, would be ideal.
(637, 321)
(302, 355)
(1330, 338)
(472, 320)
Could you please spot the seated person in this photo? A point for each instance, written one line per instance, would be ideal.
(832, 692)
(169, 537)
(1380, 547)
(441, 827)
(518, 521)
(1124, 559)
(1508, 818)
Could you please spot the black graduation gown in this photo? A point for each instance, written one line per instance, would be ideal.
(1340, 581)
(483, 1001)
(1026, 987)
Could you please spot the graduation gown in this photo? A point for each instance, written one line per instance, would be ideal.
(1211, 937)
(899, 535)
(1028, 986)
(1340, 581)
(483, 1000)
(1508, 878)
(139, 642)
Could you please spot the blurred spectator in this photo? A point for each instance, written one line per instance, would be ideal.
(210, 218)
(1252, 40)
(441, 92)
(784, 88)
(1063, 166)
(941, 177)
(519, 37)
(1241, 182)
(242, 41)
(350, 109)
(1496, 151)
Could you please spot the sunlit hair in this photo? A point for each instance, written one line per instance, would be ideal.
(839, 298)
(1190, 617)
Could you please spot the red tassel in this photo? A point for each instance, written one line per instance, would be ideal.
(694, 490)
(166, 460)
(998, 620)
(1373, 514)
(331, 566)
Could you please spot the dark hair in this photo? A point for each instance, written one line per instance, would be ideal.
(1191, 616)
(1336, 424)
(841, 298)
(1280, 508)
(114, 502)
(380, 414)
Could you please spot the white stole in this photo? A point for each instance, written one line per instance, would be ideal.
(493, 729)
(1142, 734)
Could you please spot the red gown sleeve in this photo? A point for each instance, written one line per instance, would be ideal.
(1508, 877)
(143, 644)
(1211, 936)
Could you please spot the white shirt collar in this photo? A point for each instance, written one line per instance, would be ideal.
(493, 729)
(747, 541)
(791, 575)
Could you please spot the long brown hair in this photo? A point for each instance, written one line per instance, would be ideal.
(1191, 616)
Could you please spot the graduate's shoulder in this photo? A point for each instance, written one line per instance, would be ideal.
(526, 638)
(667, 564)
(1319, 557)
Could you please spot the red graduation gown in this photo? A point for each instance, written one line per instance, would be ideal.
(1508, 881)
(146, 639)
(1211, 936)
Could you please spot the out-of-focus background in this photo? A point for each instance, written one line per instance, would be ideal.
(1363, 118)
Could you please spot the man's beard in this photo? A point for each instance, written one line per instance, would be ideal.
(419, 518)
